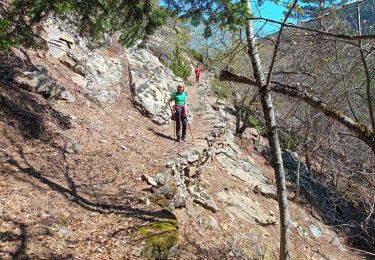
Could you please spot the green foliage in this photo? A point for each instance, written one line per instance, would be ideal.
(221, 89)
(227, 14)
(179, 65)
(195, 54)
(5, 41)
(289, 140)
(261, 129)
(133, 19)
(307, 9)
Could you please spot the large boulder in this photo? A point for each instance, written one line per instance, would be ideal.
(151, 83)
(101, 75)
(104, 76)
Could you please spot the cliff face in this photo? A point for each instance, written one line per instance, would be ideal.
(91, 177)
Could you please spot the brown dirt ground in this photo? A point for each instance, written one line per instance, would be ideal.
(55, 205)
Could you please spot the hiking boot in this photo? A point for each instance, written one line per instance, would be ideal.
(179, 140)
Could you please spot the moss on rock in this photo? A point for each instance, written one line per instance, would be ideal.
(161, 240)
(160, 200)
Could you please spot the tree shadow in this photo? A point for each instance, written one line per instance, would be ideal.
(20, 236)
(158, 134)
(23, 110)
(204, 253)
(20, 239)
(336, 211)
(72, 195)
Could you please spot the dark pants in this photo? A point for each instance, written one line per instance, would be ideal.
(180, 120)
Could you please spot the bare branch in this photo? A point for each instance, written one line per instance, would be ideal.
(362, 132)
(372, 209)
(277, 43)
(328, 34)
(367, 73)
(345, 85)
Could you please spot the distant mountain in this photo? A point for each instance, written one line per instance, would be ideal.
(348, 14)
(367, 11)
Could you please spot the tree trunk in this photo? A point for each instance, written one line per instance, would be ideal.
(238, 108)
(245, 123)
(272, 135)
(298, 185)
(367, 73)
(308, 164)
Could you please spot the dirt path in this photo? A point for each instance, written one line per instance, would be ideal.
(55, 205)
(58, 205)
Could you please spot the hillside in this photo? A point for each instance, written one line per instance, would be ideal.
(90, 168)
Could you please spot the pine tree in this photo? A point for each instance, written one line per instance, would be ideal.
(179, 65)
(133, 19)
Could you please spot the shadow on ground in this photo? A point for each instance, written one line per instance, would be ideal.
(30, 121)
(158, 134)
(334, 210)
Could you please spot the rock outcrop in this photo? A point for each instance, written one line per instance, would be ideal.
(151, 84)
(98, 74)
(180, 181)
(39, 82)
(103, 74)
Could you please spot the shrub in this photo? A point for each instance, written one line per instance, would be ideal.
(179, 65)
(220, 88)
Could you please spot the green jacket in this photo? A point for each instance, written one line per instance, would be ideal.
(179, 99)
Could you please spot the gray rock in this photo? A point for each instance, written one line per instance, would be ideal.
(79, 80)
(152, 84)
(104, 76)
(315, 231)
(168, 191)
(180, 198)
(192, 156)
(220, 125)
(137, 251)
(212, 223)
(72, 146)
(246, 208)
(170, 163)
(149, 180)
(38, 82)
(55, 50)
(301, 231)
(266, 190)
(63, 232)
(201, 197)
(145, 201)
(160, 179)
(66, 95)
(336, 242)
(244, 170)
(161, 43)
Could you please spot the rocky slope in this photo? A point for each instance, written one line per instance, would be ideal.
(88, 175)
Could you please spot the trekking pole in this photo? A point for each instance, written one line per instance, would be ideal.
(190, 129)
(174, 120)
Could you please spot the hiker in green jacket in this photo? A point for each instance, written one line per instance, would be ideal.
(179, 111)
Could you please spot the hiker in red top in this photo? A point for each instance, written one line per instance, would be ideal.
(197, 73)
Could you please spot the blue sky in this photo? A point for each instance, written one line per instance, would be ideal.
(268, 10)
